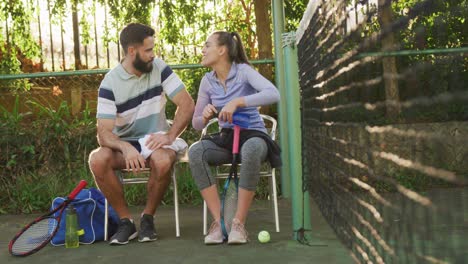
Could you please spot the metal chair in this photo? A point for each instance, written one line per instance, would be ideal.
(143, 178)
(268, 172)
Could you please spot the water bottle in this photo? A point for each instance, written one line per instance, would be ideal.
(71, 228)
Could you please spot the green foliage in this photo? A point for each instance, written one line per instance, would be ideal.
(13, 119)
(46, 153)
(85, 28)
(125, 12)
(182, 25)
(18, 39)
(294, 10)
(443, 26)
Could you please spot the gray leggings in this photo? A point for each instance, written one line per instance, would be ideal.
(204, 153)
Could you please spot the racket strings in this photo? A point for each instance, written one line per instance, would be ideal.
(34, 236)
(230, 204)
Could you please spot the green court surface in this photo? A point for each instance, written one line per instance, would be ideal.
(189, 247)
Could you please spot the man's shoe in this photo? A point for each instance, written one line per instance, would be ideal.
(238, 234)
(215, 235)
(126, 232)
(147, 232)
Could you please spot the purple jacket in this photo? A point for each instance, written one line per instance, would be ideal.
(242, 81)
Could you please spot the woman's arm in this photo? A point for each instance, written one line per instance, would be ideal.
(203, 99)
(267, 92)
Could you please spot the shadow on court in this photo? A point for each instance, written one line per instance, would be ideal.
(189, 247)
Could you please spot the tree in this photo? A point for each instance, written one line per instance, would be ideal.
(15, 17)
(263, 26)
(390, 72)
(76, 35)
(182, 25)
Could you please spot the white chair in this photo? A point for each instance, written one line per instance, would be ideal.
(268, 172)
(143, 176)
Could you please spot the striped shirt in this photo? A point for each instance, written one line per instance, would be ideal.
(137, 104)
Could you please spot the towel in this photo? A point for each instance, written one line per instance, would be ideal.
(179, 146)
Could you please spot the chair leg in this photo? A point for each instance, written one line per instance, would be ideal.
(176, 201)
(275, 199)
(106, 219)
(204, 218)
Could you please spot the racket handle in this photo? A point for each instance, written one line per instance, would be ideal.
(77, 189)
(235, 143)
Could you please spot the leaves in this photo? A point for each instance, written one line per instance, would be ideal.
(181, 25)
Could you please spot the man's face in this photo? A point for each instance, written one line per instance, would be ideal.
(141, 65)
(144, 56)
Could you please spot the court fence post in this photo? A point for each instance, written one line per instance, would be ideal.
(278, 29)
(299, 194)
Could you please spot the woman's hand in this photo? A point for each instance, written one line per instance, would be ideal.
(228, 110)
(208, 112)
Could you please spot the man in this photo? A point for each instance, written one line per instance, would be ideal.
(131, 105)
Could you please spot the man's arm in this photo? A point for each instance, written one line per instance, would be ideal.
(106, 138)
(183, 114)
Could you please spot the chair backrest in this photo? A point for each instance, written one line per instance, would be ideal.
(266, 118)
(272, 128)
(213, 121)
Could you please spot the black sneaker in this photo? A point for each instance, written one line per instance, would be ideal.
(147, 232)
(126, 232)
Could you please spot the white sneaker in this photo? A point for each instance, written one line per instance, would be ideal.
(238, 234)
(215, 235)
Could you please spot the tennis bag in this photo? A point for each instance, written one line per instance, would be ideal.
(90, 209)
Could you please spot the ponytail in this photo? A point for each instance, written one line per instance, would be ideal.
(233, 42)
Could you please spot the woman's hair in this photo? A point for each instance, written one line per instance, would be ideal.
(134, 33)
(234, 45)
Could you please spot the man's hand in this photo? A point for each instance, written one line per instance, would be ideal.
(158, 140)
(133, 160)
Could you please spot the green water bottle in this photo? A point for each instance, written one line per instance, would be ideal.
(72, 232)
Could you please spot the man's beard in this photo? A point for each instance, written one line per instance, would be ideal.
(141, 65)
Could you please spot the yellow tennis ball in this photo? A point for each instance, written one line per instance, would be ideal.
(264, 236)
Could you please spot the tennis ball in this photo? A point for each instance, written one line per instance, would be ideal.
(264, 236)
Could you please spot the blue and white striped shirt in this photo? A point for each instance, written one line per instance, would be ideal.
(137, 103)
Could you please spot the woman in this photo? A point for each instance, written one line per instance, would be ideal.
(232, 86)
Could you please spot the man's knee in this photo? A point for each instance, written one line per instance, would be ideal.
(163, 159)
(99, 159)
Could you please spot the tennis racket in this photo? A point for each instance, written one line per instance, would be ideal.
(39, 232)
(231, 186)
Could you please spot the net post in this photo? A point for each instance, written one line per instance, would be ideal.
(299, 195)
(278, 29)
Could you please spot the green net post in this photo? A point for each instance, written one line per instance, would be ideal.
(299, 195)
(278, 28)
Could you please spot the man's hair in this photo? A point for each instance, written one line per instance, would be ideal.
(134, 33)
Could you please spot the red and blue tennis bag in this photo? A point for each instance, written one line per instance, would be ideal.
(90, 209)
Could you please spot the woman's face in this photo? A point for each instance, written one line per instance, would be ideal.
(211, 51)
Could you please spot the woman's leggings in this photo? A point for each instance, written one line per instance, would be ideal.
(205, 153)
